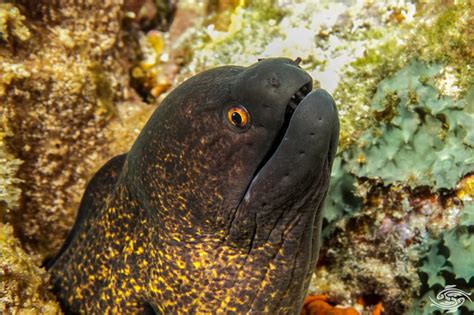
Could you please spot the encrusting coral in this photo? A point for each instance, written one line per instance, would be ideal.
(421, 137)
(64, 67)
(23, 285)
(410, 162)
(66, 107)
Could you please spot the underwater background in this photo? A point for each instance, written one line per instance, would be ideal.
(78, 80)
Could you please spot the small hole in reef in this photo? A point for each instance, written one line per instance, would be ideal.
(371, 299)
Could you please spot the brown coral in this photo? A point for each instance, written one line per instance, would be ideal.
(60, 88)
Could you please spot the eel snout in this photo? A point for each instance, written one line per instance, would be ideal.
(309, 142)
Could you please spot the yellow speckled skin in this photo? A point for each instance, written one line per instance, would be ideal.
(201, 218)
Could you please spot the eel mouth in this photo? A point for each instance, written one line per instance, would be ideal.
(293, 103)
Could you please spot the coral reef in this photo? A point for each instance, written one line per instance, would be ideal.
(420, 137)
(402, 78)
(23, 285)
(399, 215)
(58, 94)
(447, 262)
(321, 305)
(410, 162)
(66, 107)
(11, 24)
(9, 190)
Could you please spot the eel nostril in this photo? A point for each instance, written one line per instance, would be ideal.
(297, 61)
(274, 82)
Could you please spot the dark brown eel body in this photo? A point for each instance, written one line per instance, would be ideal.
(216, 208)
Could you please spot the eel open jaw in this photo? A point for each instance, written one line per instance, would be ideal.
(306, 145)
(293, 103)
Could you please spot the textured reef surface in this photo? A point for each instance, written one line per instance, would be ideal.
(23, 285)
(80, 78)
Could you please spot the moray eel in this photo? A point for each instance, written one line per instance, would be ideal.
(216, 208)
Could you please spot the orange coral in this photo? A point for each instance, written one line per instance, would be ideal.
(377, 309)
(319, 305)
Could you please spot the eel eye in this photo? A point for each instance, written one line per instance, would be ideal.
(238, 117)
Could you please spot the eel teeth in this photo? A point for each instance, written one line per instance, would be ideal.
(297, 97)
(292, 104)
(300, 95)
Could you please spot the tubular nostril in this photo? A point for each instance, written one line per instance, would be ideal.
(297, 61)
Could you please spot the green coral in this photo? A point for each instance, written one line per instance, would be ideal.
(406, 112)
(422, 305)
(426, 141)
(467, 218)
(342, 198)
(356, 89)
(433, 266)
(451, 258)
(443, 34)
(461, 248)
